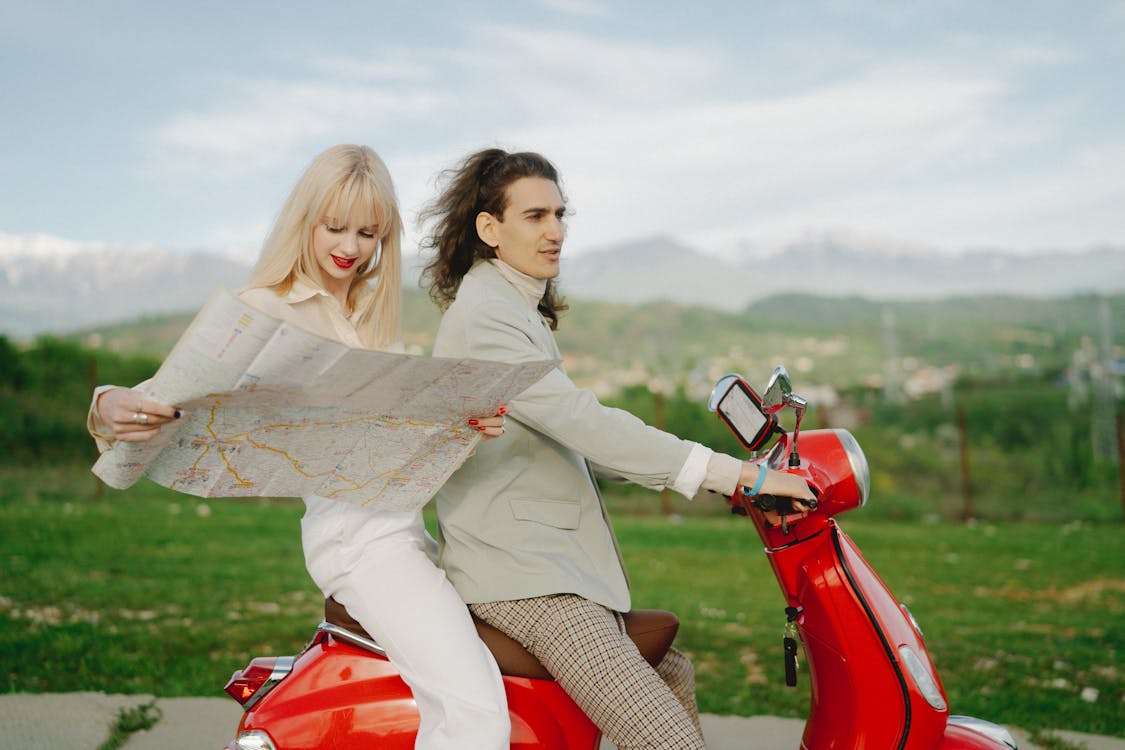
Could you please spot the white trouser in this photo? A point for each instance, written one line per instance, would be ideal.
(378, 565)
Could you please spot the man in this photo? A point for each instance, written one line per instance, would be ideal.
(524, 535)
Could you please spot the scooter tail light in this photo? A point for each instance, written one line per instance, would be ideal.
(250, 685)
(922, 678)
(254, 740)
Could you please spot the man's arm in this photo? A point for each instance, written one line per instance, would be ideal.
(573, 416)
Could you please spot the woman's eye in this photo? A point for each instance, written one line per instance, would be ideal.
(332, 229)
(367, 235)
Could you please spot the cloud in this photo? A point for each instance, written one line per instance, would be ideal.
(261, 124)
(683, 139)
(686, 168)
(569, 75)
(577, 7)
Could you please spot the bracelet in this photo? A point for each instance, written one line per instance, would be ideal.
(761, 480)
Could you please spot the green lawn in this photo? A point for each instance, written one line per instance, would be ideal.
(150, 591)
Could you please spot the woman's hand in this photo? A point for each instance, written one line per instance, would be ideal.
(491, 427)
(131, 417)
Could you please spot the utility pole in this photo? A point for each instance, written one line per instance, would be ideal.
(892, 374)
(1104, 436)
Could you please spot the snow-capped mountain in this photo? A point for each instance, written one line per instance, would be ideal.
(831, 266)
(48, 284)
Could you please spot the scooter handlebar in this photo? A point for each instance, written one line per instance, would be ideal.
(781, 504)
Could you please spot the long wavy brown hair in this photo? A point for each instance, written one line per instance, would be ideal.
(479, 183)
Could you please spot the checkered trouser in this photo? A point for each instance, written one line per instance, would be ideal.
(585, 647)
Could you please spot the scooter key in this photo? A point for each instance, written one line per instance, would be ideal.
(789, 643)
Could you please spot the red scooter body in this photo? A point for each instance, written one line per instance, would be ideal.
(873, 685)
(341, 694)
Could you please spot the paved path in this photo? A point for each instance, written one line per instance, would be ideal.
(82, 721)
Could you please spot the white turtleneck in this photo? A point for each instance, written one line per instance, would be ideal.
(703, 469)
(529, 287)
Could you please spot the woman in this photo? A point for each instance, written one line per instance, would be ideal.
(525, 537)
(338, 231)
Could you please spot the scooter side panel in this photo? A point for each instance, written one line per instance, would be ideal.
(338, 696)
(856, 699)
(927, 724)
(545, 718)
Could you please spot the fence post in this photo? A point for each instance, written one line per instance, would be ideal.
(1121, 460)
(92, 376)
(966, 477)
(660, 417)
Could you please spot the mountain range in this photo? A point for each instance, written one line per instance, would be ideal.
(48, 284)
(661, 268)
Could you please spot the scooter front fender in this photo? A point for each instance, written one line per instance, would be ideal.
(970, 733)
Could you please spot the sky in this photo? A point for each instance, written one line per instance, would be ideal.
(939, 126)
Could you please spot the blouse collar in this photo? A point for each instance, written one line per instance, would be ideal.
(300, 291)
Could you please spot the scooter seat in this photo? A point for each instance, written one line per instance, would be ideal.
(652, 630)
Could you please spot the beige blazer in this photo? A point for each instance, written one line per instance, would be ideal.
(523, 517)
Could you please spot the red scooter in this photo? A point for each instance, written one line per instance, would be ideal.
(873, 685)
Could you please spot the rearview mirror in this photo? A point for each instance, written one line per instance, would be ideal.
(778, 391)
(740, 408)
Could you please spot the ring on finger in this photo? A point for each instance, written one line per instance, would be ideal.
(140, 418)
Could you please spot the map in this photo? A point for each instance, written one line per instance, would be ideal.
(270, 409)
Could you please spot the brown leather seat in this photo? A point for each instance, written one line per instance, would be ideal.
(653, 630)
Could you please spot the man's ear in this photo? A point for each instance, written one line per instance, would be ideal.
(486, 229)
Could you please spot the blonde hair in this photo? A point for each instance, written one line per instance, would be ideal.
(347, 185)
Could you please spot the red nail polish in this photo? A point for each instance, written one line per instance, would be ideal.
(503, 410)
(481, 429)
(473, 421)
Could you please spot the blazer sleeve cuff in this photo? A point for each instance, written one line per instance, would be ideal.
(723, 473)
(693, 473)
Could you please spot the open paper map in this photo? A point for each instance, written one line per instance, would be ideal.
(270, 409)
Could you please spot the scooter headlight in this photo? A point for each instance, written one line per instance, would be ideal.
(858, 462)
(922, 678)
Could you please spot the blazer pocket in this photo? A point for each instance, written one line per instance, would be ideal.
(557, 513)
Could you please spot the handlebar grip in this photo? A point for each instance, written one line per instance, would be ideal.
(779, 503)
(765, 503)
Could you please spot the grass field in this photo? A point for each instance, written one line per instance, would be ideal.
(147, 591)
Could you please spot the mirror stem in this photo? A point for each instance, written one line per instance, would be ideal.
(798, 405)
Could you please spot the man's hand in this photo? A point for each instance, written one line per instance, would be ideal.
(777, 483)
